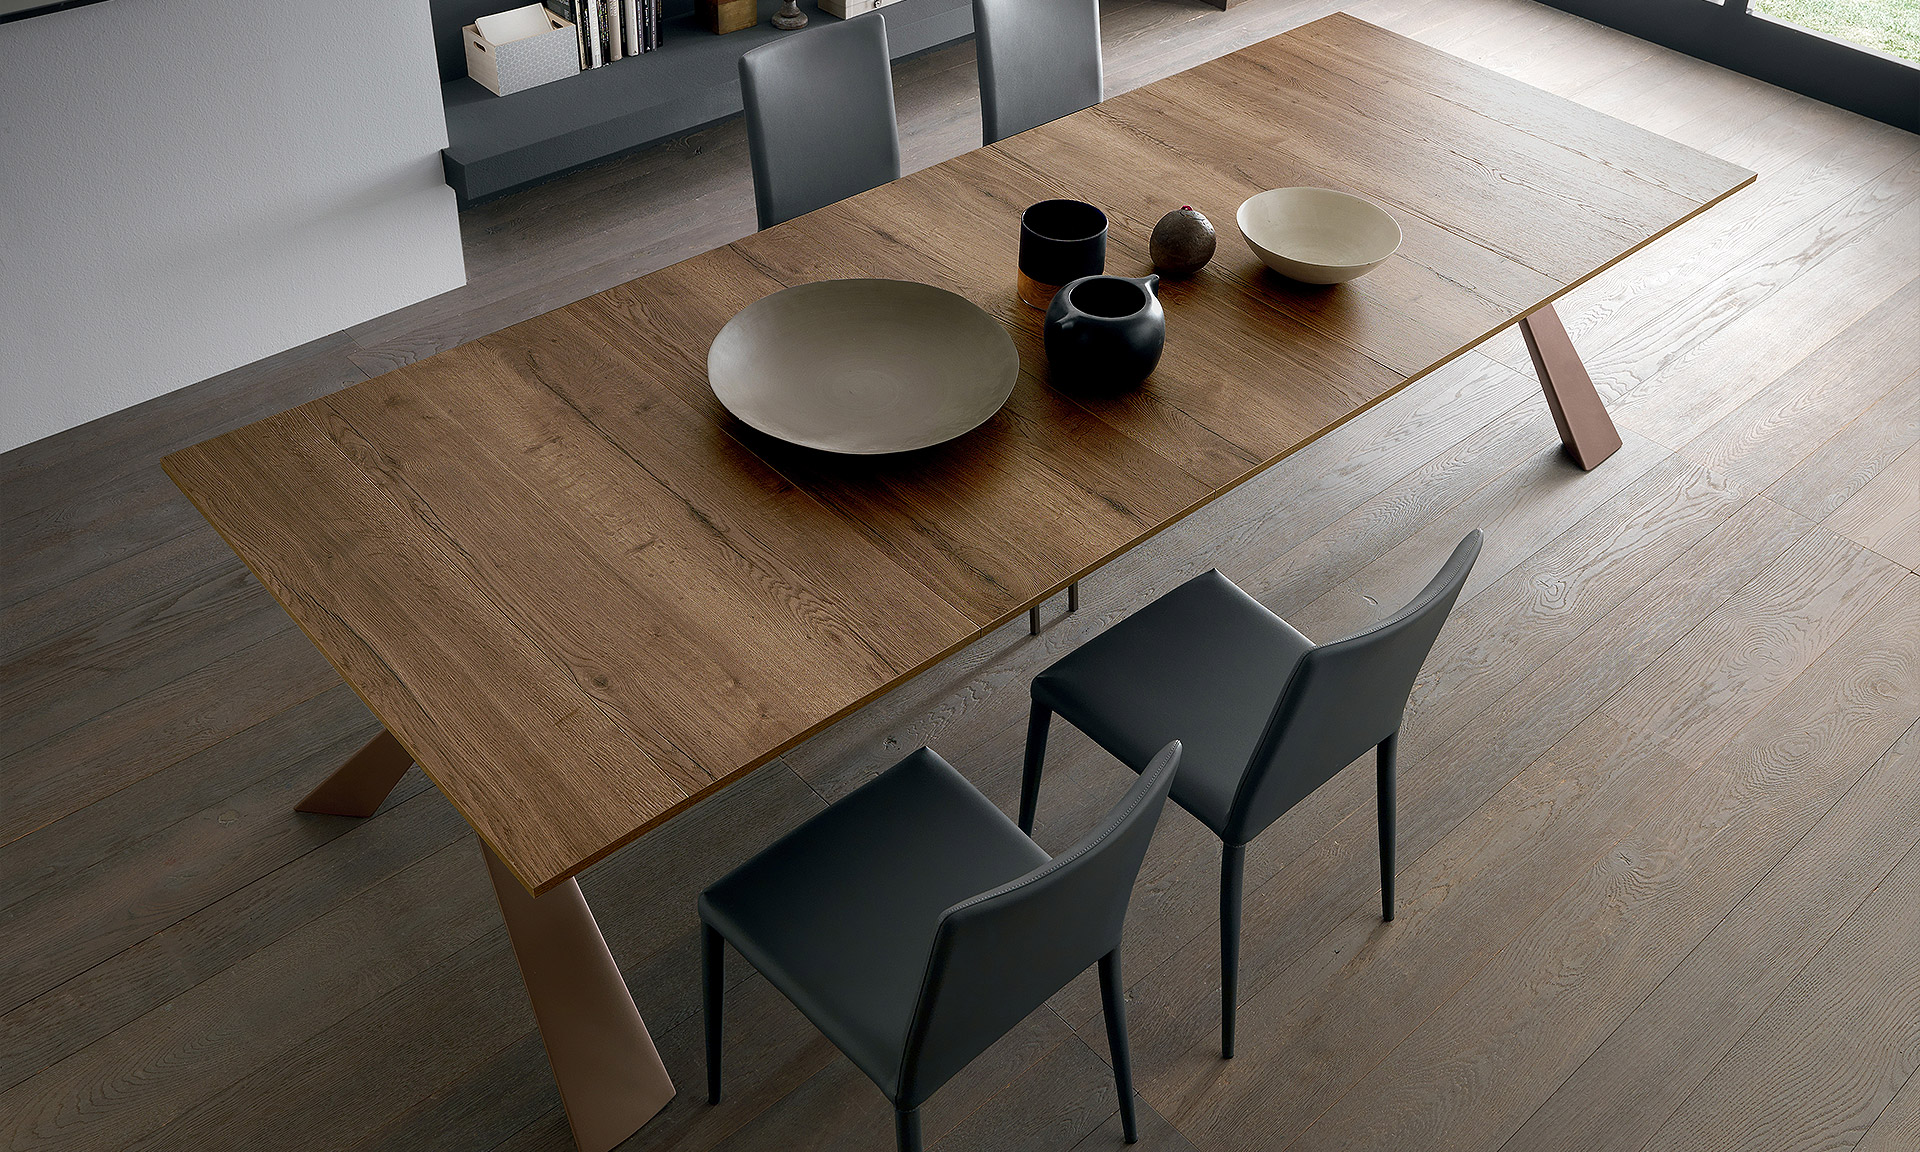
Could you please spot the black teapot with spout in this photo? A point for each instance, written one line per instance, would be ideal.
(1105, 331)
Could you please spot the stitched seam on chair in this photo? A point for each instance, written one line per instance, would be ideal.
(1034, 877)
(1435, 589)
(1113, 822)
(1240, 790)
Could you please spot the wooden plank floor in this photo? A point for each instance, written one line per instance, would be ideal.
(1660, 804)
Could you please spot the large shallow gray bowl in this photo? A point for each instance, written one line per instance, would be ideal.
(863, 366)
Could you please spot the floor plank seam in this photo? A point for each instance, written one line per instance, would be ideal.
(1891, 1099)
(347, 1015)
(241, 787)
(1734, 906)
(988, 1100)
(1758, 1021)
(263, 878)
(276, 636)
(107, 560)
(39, 745)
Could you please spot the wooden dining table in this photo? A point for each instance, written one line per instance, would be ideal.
(581, 596)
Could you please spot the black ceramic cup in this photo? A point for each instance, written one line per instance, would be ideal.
(1060, 240)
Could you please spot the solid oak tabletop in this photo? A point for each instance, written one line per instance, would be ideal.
(583, 596)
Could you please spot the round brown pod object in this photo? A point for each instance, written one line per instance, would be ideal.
(1182, 242)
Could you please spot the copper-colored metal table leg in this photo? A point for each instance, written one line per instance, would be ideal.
(610, 1076)
(1585, 427)
(357, 787)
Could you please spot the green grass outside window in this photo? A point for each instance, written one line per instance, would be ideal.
(1892, 26)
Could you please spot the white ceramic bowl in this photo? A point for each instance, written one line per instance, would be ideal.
(1317, 235)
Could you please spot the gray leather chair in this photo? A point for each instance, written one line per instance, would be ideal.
(1266, 715)
(1039, 61)
(820, 124)
(915, 925)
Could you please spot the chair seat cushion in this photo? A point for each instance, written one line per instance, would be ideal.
(840, 914)
(1204, 664)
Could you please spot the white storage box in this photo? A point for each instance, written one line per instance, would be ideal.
(517, 65)
(847, 9)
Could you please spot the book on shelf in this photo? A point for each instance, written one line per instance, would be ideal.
(610, 30)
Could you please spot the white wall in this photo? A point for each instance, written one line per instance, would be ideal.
(189, 185)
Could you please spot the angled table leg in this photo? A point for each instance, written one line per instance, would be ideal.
(1585, 427)
(357, 787)
(610, 1076)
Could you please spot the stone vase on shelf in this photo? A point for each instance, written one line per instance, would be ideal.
(789, 17)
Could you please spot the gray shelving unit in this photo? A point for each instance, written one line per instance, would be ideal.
(501, 144)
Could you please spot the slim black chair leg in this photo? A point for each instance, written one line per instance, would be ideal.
(1033, 620)
(1073, 596)
(712, 986)
(906, 1128)
(1233, 869)
(1113, 1001)
(1385, 757)
(1038, 722)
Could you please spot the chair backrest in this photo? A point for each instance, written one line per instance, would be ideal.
(1343, 699)
(820, 124)
(999, 955)
(1039, 61)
